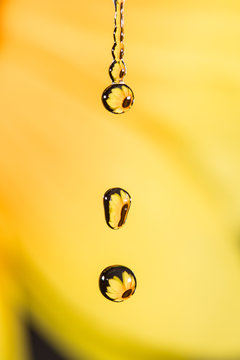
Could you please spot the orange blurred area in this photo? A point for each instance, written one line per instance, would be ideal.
(177, 153)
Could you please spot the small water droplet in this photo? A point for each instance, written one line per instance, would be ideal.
(118, 98)
(117, 283)
(117, 71)
(116, 203)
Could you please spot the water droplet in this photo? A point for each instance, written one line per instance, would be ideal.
(116, 203)
(117, 283)
(117, 70)
(118, 98)
(115, 100)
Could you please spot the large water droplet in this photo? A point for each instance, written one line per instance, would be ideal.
(116, 203)
(117, 283)
(118, 98)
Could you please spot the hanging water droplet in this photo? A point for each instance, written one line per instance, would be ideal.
(117, 70)
(116, 203)
(117, 283)
(118, 98)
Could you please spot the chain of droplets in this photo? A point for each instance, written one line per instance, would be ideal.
(118, 97)
(117, 69)
(117, 283)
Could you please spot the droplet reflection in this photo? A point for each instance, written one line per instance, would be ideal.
(118, 98)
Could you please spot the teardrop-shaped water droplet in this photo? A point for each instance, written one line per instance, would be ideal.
(116, 203)
(117, 283)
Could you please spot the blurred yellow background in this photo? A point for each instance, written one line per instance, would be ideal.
(177, 152)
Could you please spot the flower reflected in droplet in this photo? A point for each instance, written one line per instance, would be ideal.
(117, 283)
(120, 290)
(118, 98)
(116, 203)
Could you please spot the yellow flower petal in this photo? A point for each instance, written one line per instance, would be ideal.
(124, 196)
(116, 198)
(118, 110)
(114, 295)
(115, 98)
(113, 103)
(116, 93)
(116, 284)
(114, 292)
(115, 206)
(126, 91)
(133, 284)
(126, 280)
